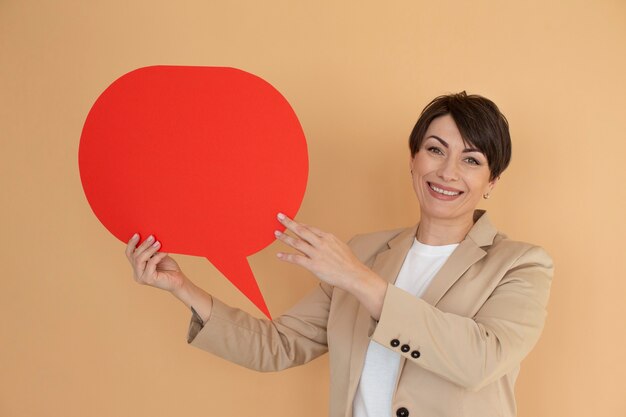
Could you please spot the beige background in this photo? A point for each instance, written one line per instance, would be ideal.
(79, 338)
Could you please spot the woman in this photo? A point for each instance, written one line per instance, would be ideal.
(431, 320)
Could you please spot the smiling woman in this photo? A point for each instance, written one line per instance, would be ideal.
(433, 319)
(459, 147)
(449, 179)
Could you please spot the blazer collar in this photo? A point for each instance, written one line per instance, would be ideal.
(389, 261)
(483, 232)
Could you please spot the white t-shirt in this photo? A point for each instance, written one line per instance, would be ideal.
(375, 392)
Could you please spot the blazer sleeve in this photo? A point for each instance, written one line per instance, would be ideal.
(472, 351)
(294, 338)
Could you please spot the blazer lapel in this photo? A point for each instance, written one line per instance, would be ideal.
(466, 254)
(388, 262)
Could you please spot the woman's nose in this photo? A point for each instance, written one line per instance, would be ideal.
(448, 170)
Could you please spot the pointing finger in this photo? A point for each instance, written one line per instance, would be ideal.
(130, 247)
(300, 230)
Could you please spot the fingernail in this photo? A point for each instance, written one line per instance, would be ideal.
(281, 216)
(279, 255)
(135, 236)
(277, 233)
(157, 243)
(150, 238)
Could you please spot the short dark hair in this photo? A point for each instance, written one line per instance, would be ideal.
(479, 121)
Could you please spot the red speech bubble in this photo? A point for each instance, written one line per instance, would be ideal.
(201, 157)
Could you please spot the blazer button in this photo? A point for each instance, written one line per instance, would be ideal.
(415, 354)
(405, 348)
(402, 412)
(395, 343)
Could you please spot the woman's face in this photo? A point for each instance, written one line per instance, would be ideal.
(449, 176)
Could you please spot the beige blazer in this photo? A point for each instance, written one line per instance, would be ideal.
(461, 343)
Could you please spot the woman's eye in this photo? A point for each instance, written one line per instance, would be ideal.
(472, 161)
(436, 150)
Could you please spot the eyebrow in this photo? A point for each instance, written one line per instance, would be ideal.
(444, 143)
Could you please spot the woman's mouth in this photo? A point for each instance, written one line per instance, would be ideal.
(443, 193)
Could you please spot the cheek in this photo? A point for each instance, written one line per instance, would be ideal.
(421, 165)
(479, 183)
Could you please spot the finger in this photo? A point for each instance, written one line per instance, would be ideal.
(141, 257)
(130, 247)
(144, 245)
(147, 254)
(295, 258)
(317, 231)
(297, 244)
(152, 263)
(300, 230)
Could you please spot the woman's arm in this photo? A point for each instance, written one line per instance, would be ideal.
(294, 338)
(473, 351)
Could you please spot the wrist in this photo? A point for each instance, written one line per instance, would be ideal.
(185, 292)
(370, 290)
(195, 297)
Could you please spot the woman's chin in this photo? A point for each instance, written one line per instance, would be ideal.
(443, 211)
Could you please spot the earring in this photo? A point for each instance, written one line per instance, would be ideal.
(486, 196)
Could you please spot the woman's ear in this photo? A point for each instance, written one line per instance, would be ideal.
(492, 183)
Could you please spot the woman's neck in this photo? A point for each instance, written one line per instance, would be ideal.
(437, 232)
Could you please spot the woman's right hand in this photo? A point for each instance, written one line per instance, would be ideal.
(154, 268)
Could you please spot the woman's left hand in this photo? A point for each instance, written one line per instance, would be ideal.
(322, 253)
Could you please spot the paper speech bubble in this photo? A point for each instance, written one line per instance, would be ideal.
(201, 157)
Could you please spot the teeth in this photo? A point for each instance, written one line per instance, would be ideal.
(444, 192)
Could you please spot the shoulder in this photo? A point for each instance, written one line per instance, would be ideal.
(516, 252)
(500, 248)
